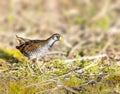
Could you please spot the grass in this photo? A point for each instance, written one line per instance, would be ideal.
(102, 79)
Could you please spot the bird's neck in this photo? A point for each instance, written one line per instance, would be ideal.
(51, 42)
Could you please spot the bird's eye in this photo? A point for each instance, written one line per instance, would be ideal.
(58, 37)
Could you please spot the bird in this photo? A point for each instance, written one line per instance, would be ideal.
(36, 48)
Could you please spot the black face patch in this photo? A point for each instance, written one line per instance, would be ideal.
(56, 36)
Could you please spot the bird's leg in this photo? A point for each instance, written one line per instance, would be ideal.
(40, 65)
(30, 69)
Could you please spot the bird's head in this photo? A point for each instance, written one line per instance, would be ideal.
(57, 37)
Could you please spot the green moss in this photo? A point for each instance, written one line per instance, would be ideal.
(79, 20)
(19, 82)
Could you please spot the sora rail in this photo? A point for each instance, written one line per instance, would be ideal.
(36, 48)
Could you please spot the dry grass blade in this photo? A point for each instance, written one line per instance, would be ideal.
(86, 58)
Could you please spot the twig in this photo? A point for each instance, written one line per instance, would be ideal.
(86, 58)
(102, 12)
(56, 52)
(42, 83)
(41, 92)
(71, 90)
(89, 66)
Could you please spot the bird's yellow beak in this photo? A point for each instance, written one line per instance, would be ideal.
(61, 39)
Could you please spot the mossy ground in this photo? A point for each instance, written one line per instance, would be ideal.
(57, 76)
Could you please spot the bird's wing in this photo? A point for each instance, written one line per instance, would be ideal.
(33, 44)
(21, 40)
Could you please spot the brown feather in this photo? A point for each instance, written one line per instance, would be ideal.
(21, 40)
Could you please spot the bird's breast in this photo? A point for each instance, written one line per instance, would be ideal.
(38, 52)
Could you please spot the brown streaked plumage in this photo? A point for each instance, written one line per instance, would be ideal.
(36, 48)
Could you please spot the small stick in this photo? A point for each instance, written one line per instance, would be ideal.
(86, 58)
